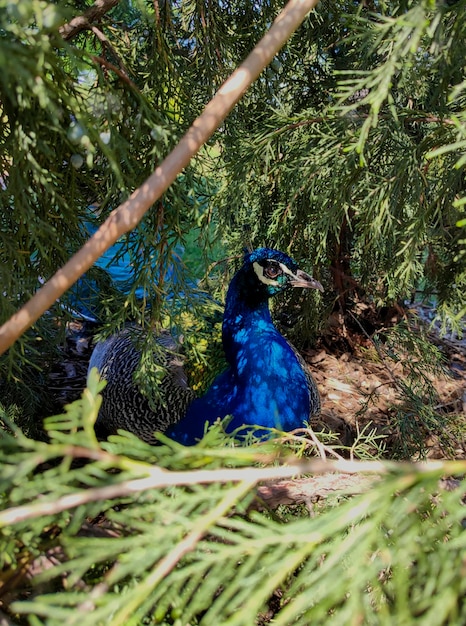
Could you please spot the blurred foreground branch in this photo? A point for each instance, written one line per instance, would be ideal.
(272, 494)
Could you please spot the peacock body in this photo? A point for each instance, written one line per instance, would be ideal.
(266, 383)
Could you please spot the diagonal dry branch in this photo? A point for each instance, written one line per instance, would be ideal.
(127, 215)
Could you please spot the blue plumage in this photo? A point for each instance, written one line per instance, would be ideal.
(265, 384)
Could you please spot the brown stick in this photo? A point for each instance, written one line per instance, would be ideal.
(120, 73)
(128, 214)
(84, 21)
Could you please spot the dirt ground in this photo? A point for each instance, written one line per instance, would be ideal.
(358, 385)
(360, 388)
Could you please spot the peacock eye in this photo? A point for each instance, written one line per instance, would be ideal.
(272, 270)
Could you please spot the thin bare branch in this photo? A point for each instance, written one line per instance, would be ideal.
(120, 73)
(104, 40)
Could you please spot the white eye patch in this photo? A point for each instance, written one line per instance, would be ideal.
(260, 273)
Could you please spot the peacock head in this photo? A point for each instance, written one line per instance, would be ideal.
(272, 271)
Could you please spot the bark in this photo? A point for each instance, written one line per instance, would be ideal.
(310, 490)
(85, 21)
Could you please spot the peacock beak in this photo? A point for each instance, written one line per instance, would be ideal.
(301, 279)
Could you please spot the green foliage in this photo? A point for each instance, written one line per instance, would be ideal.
(348, 152)
(83, 123)
(413, 364)
(127, 543)
(354, 158)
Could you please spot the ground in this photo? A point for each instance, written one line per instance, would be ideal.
(359, 388)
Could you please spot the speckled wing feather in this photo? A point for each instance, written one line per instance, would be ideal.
(124, 406)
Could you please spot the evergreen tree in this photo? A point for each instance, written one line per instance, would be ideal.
(348, 152)
(131, 534)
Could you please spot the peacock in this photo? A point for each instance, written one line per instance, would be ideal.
(266, 383)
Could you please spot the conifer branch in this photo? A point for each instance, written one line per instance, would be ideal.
(128, 215)
(324, 119)
(186, 545)
(158, 478)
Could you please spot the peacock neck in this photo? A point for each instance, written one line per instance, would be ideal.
(246, 320)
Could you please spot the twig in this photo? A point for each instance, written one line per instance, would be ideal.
(128, 215)
(120, 73)
(84, 21)
(297, 435)
(104, 40)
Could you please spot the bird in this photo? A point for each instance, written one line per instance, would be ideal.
(266, 384)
